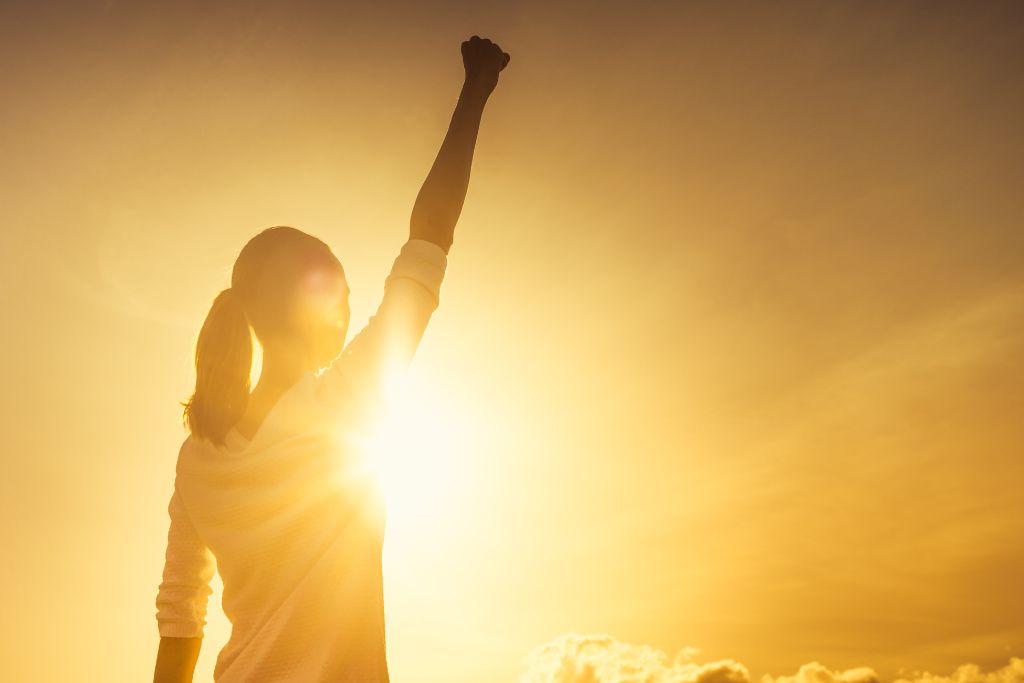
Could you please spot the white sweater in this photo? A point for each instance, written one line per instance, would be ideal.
(292, 520)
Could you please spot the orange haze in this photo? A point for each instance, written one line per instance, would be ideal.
(729, 354)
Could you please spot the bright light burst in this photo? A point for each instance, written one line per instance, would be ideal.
(423, 452)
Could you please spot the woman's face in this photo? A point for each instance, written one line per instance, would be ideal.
(323, 313)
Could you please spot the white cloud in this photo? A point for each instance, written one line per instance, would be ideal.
(577, 658)
(816, 673)
(600, 658)
(972, 673)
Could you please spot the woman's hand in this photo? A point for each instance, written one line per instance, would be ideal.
(483, 60)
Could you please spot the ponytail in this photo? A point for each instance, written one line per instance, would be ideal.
(223, 363)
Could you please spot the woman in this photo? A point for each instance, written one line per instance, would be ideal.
(268, 485)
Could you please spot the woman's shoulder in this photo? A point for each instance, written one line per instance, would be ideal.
(195, 451)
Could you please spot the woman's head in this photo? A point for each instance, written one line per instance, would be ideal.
(288, 289)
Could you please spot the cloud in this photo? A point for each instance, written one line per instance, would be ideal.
(817, 673)
(972, 673)
(600, 658)
(576, 658)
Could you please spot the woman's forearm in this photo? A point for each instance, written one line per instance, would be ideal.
(176, 660)
(440, 200)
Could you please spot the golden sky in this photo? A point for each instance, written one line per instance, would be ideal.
(728, 356)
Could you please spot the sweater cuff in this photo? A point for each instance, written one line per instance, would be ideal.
(422, 261)
(180, 629)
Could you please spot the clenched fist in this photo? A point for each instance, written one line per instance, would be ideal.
(483, 60)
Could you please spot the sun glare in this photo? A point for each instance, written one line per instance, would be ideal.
(421, 452)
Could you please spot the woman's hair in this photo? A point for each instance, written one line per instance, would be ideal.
(262, 283)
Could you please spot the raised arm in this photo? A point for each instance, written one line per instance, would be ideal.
(358, 379)
(439, 202)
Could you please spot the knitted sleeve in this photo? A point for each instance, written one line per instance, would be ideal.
(188, 569)
(379, 354)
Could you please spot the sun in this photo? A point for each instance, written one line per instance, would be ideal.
(423, 453)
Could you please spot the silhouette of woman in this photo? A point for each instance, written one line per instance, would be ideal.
(268, 486)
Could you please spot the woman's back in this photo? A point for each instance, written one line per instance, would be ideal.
(293, 518)
(297, 529)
